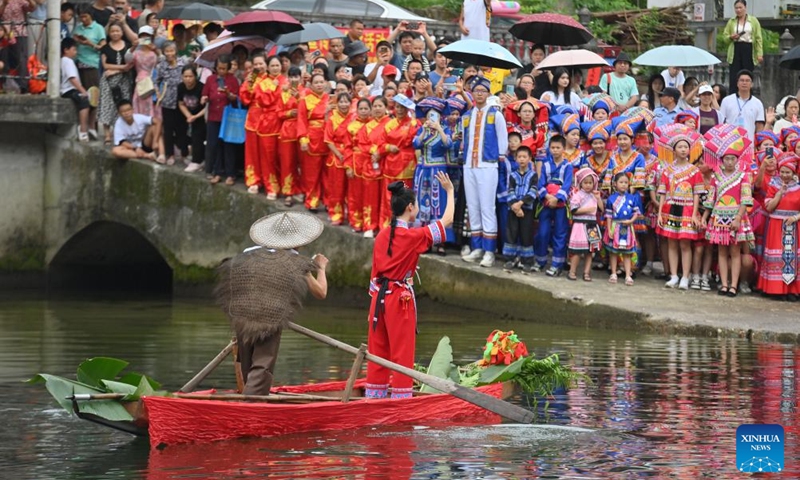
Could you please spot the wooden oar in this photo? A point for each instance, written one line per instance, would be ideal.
(202, 374)
(495, 405)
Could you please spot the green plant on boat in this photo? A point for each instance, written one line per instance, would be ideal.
(536, 377)
(100, 375)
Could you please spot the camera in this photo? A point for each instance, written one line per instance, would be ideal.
(412, 25)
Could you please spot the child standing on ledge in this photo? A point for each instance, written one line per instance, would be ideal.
(585, 238)
(521, 202)
(622, 210)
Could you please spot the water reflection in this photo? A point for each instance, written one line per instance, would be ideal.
(659, 406)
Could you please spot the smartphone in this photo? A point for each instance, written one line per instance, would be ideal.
(434, 116)
(316, 53)
(309, 68)
(770, 152)
(450, 87)
(348, 70)
(510, 90)
(412, 25)
(119, 10)
(458, 72)
(220, 83)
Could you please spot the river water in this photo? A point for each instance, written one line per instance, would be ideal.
(658, 407)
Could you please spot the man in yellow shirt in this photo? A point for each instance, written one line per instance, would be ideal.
(496, 76)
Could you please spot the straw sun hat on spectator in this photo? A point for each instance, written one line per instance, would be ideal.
(286, 230)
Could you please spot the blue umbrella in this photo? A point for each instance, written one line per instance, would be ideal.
(676, 56)
(480, 53)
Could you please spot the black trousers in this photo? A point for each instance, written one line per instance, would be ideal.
(258, 363)
(174, 128)
(520, 233)
(198, 140)
(742, 60)
(221, 155)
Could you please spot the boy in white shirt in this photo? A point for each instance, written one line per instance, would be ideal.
(71, 87)
(135, 135)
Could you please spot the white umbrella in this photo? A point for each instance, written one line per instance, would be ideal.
(224, 45)
(572, 58)
(676, 56)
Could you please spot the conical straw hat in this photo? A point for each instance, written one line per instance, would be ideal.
(285, 230)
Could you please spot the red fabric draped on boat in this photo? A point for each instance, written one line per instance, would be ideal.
(180, 420)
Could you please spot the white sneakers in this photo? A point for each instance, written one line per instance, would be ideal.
(684, 285)
(488, 260)
(673, 282)
(193, 167)
(474, 256)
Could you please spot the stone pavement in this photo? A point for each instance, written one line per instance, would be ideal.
(646, 306)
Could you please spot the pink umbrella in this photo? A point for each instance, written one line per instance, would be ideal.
(224, 44)
(266, 23)
(722, 137)
(572, 58)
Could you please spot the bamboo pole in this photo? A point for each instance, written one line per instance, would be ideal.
(351, 380)
(495, 405)
(202, 374)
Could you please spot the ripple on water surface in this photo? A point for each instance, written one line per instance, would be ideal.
(658, 407)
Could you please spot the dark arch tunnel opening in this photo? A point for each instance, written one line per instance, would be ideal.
(109, 257)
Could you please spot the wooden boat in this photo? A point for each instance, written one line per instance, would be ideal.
(199, 417)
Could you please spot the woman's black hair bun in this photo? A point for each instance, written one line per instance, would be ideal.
(396, 187)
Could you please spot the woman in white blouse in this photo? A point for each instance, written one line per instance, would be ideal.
(562, 93)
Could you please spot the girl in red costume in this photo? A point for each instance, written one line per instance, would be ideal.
(369, 141)
(291, 92)
(355, 163)
(252, 157)
(267, 96)
(313, 150)
(393, 310)
(397, 152)
(337, 138)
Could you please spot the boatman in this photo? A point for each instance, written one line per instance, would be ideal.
(261, 289)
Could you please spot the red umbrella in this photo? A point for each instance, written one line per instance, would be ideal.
(551, 29)
(267, 23)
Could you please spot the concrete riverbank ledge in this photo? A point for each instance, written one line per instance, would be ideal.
(104, 216)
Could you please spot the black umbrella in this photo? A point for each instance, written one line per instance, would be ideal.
(551, 29)
(791, 60)
(195, 11)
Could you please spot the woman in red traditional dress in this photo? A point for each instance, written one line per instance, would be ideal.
(369, 141)
(311, 112)
(267, 96)
(291, 92)
(393, 310)
(778, 275)
(337, 138)
(252, 153)
(355, 164)
(397, 152)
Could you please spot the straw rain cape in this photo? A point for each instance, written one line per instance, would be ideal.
(261, 290)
